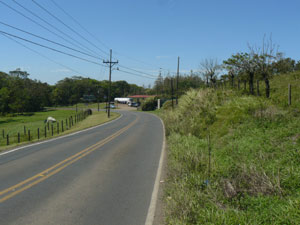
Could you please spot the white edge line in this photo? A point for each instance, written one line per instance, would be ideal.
(152, 206)
(53, 139)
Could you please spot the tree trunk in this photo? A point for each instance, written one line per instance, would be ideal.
(251, 85)
(267, 87)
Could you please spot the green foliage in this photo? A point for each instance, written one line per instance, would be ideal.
(167, 104)
(71, 90)
(162, 86)
(19, 95)
(255, 158)
(279, 90)
(149, 104)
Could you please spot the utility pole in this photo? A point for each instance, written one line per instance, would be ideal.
(177, 78)
(111, 64)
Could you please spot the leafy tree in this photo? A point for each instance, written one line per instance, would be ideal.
(244, 63)
(4, 100)
(284, 65)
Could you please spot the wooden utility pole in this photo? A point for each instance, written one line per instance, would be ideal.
(177, 78)
(111, 64)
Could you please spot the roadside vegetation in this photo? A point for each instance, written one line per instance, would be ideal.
(12, 125)
(234, 158)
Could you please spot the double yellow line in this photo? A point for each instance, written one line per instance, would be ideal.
(28, 183)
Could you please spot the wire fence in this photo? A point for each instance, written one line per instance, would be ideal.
(50, 129)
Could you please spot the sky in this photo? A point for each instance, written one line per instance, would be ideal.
(145, 36)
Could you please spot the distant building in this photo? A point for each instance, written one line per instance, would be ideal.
(19, 73)
(143, 97)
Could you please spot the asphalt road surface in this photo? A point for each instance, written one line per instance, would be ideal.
(103, 175)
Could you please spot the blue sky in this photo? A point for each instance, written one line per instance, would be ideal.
(147, 34)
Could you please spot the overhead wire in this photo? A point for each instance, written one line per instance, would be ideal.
(50, 48)
(125, 67)
(72, 40)
(138, 75)
(93, 36)
(149, 76)
(42, 55)
(48, 40)
(79, 24)
(70, 28)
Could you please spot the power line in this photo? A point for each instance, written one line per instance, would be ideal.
(78, 44)
(125, 67)
(40, 54)
(70, 28)
(45, 39)
(140, 61)
(93, 36)
(82, 27)
(55, 50)
(128, 68)
(138, 75)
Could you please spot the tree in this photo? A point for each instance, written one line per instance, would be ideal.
(4, 100)
(297, 66)
(283, 65)
(210, 69)
(264, 58)
(244, 63)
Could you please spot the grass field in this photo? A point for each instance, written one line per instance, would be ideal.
(84, 106)
(15, 124)
(252, 173)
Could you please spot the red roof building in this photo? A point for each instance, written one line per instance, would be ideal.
(142, 96)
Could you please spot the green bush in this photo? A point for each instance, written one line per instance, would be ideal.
(167, 104)
(149, 104)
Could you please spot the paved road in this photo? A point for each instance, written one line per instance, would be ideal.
(104, 175)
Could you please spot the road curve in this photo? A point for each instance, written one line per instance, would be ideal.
(103, 175)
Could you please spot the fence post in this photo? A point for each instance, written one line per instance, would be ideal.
(66, 124)
(38, 133)
(18, 137)
(45, 131)
(48, 124)
(7, 139)
(57, 127)
(290, 94)
(62, 126)
(28, 135)
(51, 129)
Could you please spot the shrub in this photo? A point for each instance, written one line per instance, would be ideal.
(149, 105)
(167, 105)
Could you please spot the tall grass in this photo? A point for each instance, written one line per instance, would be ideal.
(255, 159)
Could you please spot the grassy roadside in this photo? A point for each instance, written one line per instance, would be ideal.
(37, 121)
(254, 173)
(83, 106)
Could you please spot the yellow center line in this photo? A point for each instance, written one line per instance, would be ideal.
(11, 191)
